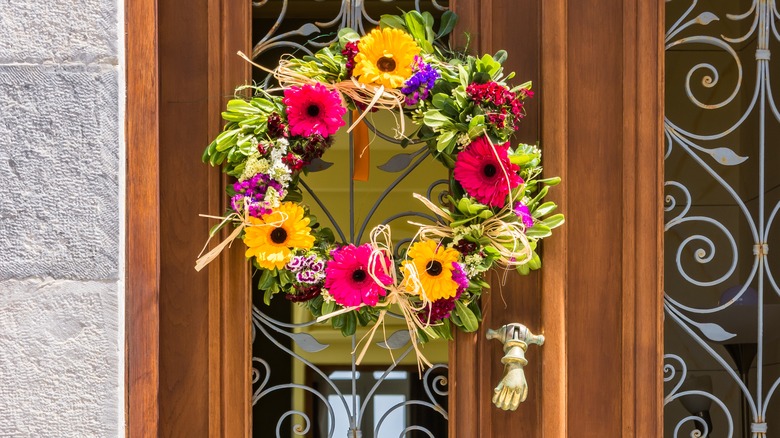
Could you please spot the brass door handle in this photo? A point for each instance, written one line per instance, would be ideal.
(513, 388)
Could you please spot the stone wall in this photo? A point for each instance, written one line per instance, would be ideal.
(61, 190)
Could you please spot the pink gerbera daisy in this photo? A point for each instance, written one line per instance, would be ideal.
(478, 169)
(313, 109)
(347, 276)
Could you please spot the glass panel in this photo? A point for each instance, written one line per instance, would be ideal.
(306, 380)
(722, 159)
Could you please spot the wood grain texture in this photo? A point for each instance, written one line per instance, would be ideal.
(142, 274)
(475, 365)
(553, 95)
(594, 218)
(601, 106)
(184, 306)
(643, 217)
(467, 366)
(230, 355)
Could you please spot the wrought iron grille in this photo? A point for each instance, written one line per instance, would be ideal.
(722, 158)
(322, 399)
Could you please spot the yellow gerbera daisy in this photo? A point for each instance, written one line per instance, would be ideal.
(385, 57)
(272, 237)
(434, 269)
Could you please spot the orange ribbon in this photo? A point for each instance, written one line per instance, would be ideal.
(360, 150)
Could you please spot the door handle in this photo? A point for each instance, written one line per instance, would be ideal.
(513, 388)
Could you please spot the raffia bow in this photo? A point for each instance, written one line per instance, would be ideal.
(398, 294)
(503, 231)
(371, 96)
(241, 221)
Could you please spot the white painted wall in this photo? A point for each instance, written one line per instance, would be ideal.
(61, 227)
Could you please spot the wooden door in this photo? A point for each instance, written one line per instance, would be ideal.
(597, 66)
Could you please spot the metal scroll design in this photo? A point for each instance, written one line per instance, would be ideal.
(354, 14)
(720, 288)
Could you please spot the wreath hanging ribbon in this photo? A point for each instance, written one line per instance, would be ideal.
(464, 111)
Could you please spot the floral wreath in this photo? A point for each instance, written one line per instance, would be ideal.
(493, 216)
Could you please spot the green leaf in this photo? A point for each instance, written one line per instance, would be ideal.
(267, 296)
(446, 139)
(347, 35)
(467, 317)
(500, 56)
(550, 181)
(328, 307)
(463, 76)
(363, 318)
(416, 25)
(447, 23)
(392, 22)
(209, 151)
(241, 107)
(428, 21)
(267, 279)
(474, 306)
(523, 269)
(436, 120)
(350, 324)
(539, 196)
(263, 104)
(461, 97)
(476, 126)
(482, 77)
(440, 100)
(544, 209)
(554, 221)
(538, 231)
(535, 262)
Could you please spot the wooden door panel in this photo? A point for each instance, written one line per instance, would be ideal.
(597, 68)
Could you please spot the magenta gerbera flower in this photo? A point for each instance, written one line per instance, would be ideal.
(347, 276)
(478, 169)
(313, 109)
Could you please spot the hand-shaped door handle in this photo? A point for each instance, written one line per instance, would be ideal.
(513, 389)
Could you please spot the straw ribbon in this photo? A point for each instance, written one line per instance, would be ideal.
(398, 294)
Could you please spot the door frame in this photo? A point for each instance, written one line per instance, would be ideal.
(604, 321)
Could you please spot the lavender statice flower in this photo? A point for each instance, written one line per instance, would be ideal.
(251, 192)
(419, 85)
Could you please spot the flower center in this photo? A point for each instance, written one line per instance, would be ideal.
(433, 268)
(313, 110)
(489, 170)
(278, 235)
(386, 63)
(359, 275)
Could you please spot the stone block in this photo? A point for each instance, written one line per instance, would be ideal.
(59, 359)
(59, 161)
(83, 31)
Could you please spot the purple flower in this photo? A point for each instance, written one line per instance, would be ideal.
(254, 189)
(308, 269)
(524, 214)
(296, 263)
(419, 85)
(460, 277)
